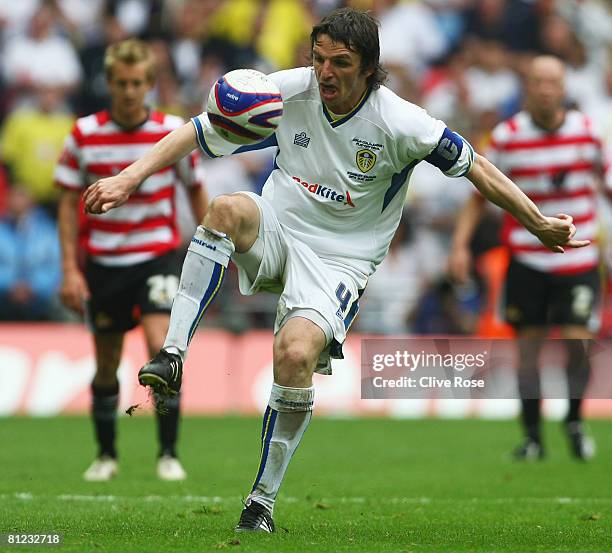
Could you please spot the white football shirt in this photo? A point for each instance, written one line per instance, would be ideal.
(340, 185)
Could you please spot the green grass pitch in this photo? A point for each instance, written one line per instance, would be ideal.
(354, 485)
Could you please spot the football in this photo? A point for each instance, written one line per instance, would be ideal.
(244, 106)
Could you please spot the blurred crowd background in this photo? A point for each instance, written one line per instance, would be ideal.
(463, 60)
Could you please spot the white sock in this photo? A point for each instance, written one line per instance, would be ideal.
(285, 421)
(203, 270)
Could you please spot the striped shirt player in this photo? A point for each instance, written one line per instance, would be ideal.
(552, 153)
(555, 158)
(145, 227)
(132, 267)
(560, 172)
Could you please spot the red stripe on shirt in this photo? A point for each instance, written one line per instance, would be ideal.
(122, 138)
(143, 197)
(518, 172)
(548, 142)
(111, 169)
(125, 226)
(580, 220)
(156, 248)
(560, 194)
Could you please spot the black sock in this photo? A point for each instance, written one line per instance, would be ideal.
(167, 413)
(578, 372)
(531, 418)
(104, 414)
(529, 386)
(573, 415)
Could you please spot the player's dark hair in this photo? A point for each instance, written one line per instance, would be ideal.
(358, 31)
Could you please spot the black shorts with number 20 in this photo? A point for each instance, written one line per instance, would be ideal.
(121, 295)
(534, 298)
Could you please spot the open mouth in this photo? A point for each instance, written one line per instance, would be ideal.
(328, 91)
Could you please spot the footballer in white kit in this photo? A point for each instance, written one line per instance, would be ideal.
(346, 150)
(335, 197)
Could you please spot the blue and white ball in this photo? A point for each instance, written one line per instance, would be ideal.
(244, 106)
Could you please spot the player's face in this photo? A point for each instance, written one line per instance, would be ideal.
(338, 70)
(128, 86)
(545, 87)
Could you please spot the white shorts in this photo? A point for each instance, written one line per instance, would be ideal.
(309, 286)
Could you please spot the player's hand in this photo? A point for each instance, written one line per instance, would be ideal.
(460, 264)
(559, 234)
(108, 193)
(74, 291)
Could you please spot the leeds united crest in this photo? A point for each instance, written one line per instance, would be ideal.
(366, 159)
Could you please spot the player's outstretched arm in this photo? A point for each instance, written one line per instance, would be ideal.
(113, 191)
(553, 232)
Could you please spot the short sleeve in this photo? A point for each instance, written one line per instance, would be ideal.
(423, 137)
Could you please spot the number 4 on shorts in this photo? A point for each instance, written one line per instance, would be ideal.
(344, 297)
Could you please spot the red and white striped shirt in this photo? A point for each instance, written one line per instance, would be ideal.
(145, 226)
(559, 171)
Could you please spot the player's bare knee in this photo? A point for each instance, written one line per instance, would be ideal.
(294, 356)
(223, 215)
(293, 364)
